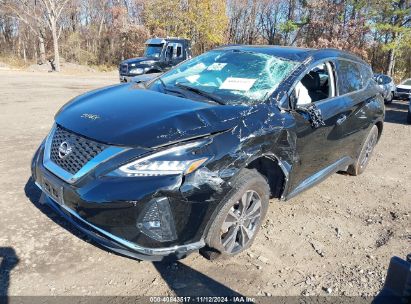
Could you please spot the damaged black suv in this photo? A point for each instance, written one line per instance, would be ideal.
(190, 160)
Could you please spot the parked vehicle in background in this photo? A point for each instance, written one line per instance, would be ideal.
(403, 90)
(159, 56)
(190, 160)
(144, 78)
(387, 85)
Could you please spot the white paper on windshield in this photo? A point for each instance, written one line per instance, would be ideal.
(198, 67)
(193, 78)
(216, 66)
(238, 84)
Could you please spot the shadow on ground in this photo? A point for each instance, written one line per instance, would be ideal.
(8, 260)
(186, 281)
(396, 112)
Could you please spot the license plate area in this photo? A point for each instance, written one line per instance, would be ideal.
(54, 191)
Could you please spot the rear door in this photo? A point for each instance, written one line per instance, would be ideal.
(355, 85)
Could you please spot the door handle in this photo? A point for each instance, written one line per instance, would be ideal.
(341, 119)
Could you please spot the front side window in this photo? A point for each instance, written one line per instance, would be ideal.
(316, 85)
(234, 76)
(169, 52)
(349, 77)
(407, 82)
(153, 50)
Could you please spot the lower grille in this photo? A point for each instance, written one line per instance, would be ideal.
(78, 150)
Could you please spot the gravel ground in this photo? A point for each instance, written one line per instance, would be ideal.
(336, 238)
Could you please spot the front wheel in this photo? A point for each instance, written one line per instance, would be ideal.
(237, 223)
(409, 116)
(366, 153)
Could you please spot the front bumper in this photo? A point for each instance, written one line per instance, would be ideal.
(113, 242)
(102, 208)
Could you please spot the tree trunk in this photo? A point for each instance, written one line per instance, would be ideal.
(391, 59)
(55, 45)
(24, 52)
(36, 55)
(391, 54)
(42, 50)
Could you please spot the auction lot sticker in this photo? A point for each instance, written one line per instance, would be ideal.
(238, 84)
(216, 66)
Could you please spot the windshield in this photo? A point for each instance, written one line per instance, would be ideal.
(153, 50)
(407, 82)
(232, 76)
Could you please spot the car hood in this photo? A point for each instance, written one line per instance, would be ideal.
(130, 116)
(403, 86)
(138, 60)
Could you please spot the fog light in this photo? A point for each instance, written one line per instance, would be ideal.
(157, 221)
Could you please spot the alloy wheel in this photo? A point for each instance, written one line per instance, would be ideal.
(241, 222)
(368, 150)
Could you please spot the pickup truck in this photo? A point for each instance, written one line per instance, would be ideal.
(160, 55)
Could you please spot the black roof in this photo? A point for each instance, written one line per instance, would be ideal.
(159, 40)
(293, 53)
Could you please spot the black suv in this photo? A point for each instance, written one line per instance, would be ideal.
(190, 159)
(160, 55)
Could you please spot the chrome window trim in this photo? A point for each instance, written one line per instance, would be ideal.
(103, 156)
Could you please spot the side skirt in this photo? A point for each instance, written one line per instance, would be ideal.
(321, 175)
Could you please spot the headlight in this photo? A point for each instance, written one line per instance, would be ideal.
(137, 71)
(148, 62)
(173, 161)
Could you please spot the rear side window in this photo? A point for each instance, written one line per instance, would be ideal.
(179, 51)
(349, 77)
(368, 74)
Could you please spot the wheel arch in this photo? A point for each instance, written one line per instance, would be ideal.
(380, 126)
(273, 170)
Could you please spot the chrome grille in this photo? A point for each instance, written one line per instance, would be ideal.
(83, 150)
(403, 90)
(124, 68)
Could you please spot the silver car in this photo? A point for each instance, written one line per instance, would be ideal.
(403, 90)
(387, 85)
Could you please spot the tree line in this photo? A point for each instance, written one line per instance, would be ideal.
(103, 32)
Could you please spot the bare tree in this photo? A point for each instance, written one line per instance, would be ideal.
(28, 12)
(53, 9)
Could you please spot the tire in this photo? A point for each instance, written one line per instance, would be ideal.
(234, 228)
(389, 98)
(366, 152)
(409, 117)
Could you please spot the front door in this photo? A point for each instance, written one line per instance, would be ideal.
(319, 116)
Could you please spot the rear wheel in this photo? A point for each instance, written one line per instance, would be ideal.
(237, 223)
(366, 153)
(409, 116)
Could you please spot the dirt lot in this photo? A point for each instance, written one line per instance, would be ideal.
(336, 238)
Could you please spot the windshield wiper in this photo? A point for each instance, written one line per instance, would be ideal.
(165, 88)
(200, 92)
